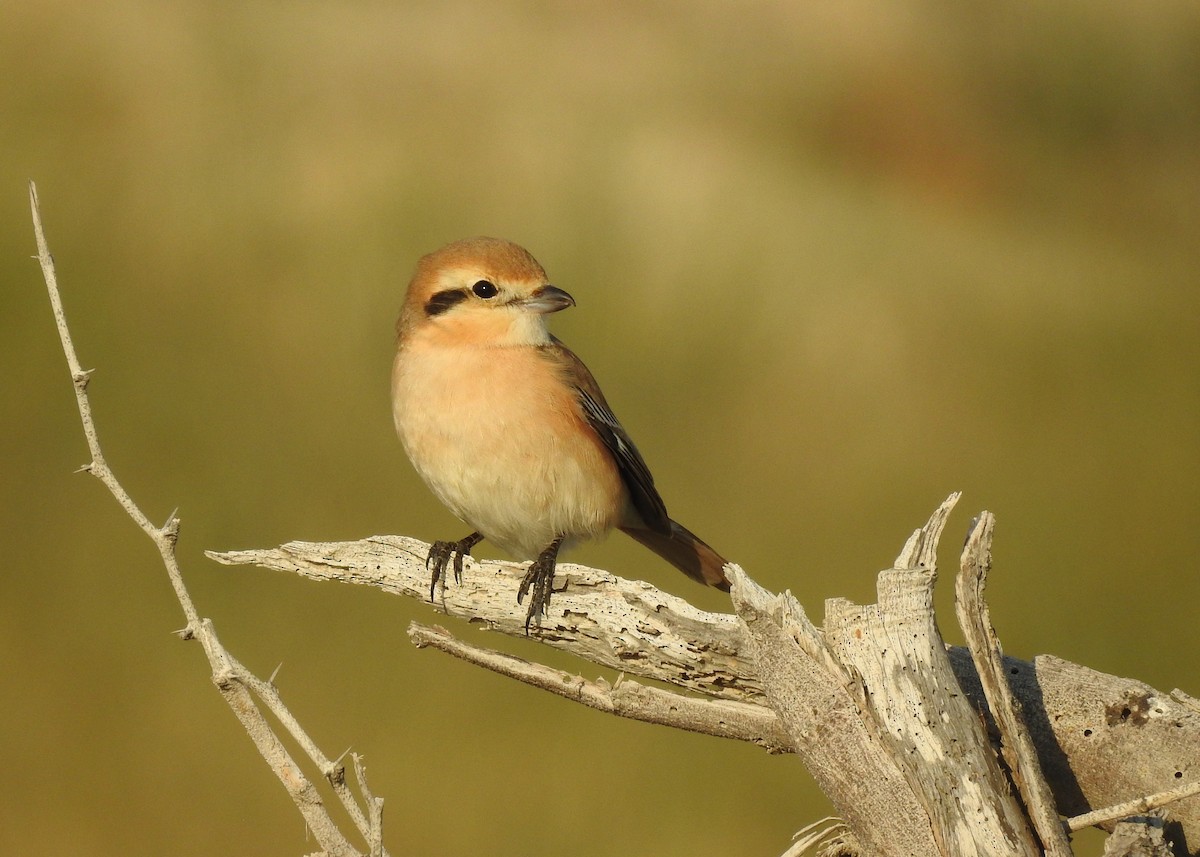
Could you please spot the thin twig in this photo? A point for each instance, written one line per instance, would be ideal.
(1132, 807)
(374, 809)
(723, 718)
(163, 537)
(233, 680)
(333, 771)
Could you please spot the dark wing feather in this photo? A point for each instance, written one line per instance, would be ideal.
(632, 467)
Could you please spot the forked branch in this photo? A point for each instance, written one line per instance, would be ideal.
(238, 686)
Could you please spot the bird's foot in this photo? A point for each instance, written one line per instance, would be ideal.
(538, 583)
(440, 554)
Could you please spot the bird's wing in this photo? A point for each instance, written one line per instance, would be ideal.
(632, 467)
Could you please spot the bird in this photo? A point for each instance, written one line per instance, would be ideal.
(509, 429)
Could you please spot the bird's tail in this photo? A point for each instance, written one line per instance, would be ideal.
(687, 552)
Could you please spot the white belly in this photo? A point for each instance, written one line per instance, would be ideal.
(503, 446)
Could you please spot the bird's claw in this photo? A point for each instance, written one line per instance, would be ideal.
(538, 583)
(440, 555)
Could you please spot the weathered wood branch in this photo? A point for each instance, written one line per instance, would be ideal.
(909, 763)
(821, 707)
(723, 718)
(623, 624)
(927, 725)
(1016, 745)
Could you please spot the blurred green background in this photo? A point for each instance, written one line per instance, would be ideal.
(832, 261)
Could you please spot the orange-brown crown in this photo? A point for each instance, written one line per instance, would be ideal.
(462, 263)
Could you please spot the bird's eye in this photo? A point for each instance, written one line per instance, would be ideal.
(484, 289)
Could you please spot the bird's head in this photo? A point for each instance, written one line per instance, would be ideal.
(481, 291)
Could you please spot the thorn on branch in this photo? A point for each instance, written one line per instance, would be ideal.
(224, 679)
(170, 530)
(336, 772)
(234, 682)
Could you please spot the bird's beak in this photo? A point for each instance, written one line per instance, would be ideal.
(547, 299)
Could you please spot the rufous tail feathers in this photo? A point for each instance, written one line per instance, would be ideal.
(686, 551)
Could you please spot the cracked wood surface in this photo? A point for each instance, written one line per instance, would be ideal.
(1101, 739)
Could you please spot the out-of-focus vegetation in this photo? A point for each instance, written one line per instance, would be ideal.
(832, 262)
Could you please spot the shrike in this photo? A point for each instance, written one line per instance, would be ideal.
(510, 430)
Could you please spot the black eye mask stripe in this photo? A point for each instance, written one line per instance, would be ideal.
(442, 301)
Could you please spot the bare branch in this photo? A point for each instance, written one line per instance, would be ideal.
(627, 625)
(234, 681)
(1137, 806)
(1091, 751)
(230, 681)
(374, 809)
(164, 536)
(333, 771)
(723, 718)
(1020, 754)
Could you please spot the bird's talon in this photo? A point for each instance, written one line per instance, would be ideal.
(539, 584)
(441, 553)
